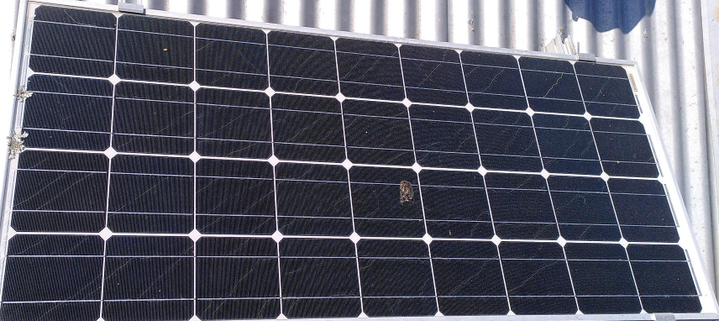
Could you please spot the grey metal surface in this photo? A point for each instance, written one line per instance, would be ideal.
(710, 26)
(666, 37)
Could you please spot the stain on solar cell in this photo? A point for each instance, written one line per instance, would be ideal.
(406, 194)
(16, 143)
(22, 94)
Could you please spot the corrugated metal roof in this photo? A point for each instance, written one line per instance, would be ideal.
(665, 38)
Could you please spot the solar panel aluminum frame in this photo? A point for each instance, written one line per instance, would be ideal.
(647, 118)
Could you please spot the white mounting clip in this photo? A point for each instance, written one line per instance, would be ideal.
(566, 46)
(561, 45)
(135, 8)
(585, 56)
(664, 317)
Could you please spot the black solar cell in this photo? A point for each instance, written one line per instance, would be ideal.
(233, 123)
(443, 137)
(607, 262)
(369, 69)
(236, 278)
(566, 144)
(606, 90)
(154, 49)
(455, 205)
(433, 75)
(243, 52)
(624, 148)
(506, 141)
(551, 86)
(537, 278)
(377, 133)
(313, 200)
(493, 81)
(234, 198)
(378, 204)
(468, 278)
(584, 208)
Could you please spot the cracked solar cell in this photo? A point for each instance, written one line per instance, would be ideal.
(493, 81)
(369, 69)
(469, 278)
(60, 42)
(60, 192)
(537, 277)
(319, 278)
(433, 75)
(506, 141)
(377, 133)
(551, 86)
(584, 208)
(307, 128)
(624, 148)
(313, 200)
(235, 198)
(314, 69)
(60, 117)
(567, 144)
(607, 262)
(606, 90)
(34, 263)
(246, 48)
(150, 118)
(455, 205)
(233, 123)
(228, 270)
(443, 137)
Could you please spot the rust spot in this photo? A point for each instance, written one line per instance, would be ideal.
(406, 194)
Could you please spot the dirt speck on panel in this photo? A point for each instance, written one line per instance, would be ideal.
(406, 194)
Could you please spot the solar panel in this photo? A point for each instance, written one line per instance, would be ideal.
(178, 169)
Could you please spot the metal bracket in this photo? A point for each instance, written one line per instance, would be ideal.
(664, 317)
(561, 45)
(131, 8)
(586, 57)
(566, 46)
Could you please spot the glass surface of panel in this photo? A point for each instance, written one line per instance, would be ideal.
(175, 169)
